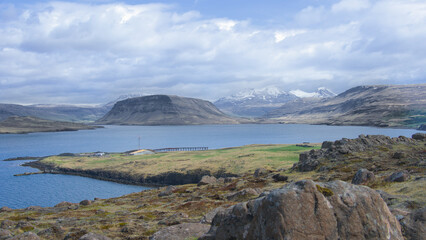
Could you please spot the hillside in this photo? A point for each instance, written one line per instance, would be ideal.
(258, 102)
(165, 110)
(54, 112)
(32, 124)
(380, 105)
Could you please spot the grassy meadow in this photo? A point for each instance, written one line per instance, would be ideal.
(238, 160)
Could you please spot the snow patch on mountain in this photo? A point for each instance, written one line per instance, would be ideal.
(322, 92)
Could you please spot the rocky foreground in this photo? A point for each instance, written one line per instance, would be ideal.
(382, 196)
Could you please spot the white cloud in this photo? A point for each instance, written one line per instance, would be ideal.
(350, 5)
(57, 51)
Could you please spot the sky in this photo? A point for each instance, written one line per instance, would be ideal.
(91, 52)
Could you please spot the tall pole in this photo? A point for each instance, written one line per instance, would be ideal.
(139, 145)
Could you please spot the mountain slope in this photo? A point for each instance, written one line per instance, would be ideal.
(31, 124)
(165, 110)
(258, 102)
(56, 113)
(380, 105)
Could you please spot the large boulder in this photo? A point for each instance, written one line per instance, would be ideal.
(414, 224)
(309, 210)
(400, 176)
(363, 176)
(206, 180)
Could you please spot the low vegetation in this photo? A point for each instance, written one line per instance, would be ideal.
(236, 161)
(259, 168)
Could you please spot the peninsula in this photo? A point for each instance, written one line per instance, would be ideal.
(17, 124)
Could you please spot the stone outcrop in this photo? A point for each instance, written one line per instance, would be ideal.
(206, 180)
(413, 224)
(309, 161)
(400, 176)
(309, 210)
(363, 176)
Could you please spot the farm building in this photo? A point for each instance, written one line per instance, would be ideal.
(142, 152)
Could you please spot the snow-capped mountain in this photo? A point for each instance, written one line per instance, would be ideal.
(257, 96)
(254, 102)
(322, 92)
(258, 102)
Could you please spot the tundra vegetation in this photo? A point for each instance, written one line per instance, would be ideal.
(258, 169)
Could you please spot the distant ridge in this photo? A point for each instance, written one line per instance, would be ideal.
(376, 105)
(165, 110)
(18, 124)
(258, 102)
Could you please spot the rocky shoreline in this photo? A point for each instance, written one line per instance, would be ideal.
(168, 178)
(382, 197)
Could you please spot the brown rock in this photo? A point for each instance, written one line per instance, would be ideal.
(85, 202)
(94, 236)
(206, 180)
(75, 235)
(279, 178)
(54, 232)
(244, 194)
(173, 219)
(168, 191)
(181, 232)
(413, 224)
(419, 136)
(26, 236)
(5, 234)
(260, 172)
(363, 176)
(5, 209)
(64, 204)
(7, 224)
(400, 176)
(208, 218)
(309, 210)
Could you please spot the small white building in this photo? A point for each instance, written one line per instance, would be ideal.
(142, 152)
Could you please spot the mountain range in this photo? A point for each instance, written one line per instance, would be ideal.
(377, 105)
(259, 102)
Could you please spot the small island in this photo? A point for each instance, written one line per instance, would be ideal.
(18, 124)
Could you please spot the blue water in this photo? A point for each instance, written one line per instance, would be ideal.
(50, 189)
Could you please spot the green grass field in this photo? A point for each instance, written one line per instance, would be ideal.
(238, 160)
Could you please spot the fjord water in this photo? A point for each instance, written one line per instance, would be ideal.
(50, 189)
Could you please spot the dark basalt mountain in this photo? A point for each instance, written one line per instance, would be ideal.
(378, 105)
(165, 110)
(17, 124)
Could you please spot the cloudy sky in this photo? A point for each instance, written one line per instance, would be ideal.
(88, 52)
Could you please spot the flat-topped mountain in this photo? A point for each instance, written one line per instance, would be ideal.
(165, 110)
(378, 105)
(17, 124)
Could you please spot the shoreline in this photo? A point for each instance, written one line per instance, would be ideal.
(159, 180)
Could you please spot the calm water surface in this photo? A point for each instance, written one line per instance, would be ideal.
(50, 189)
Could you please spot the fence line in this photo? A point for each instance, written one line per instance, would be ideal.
(181, 149)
